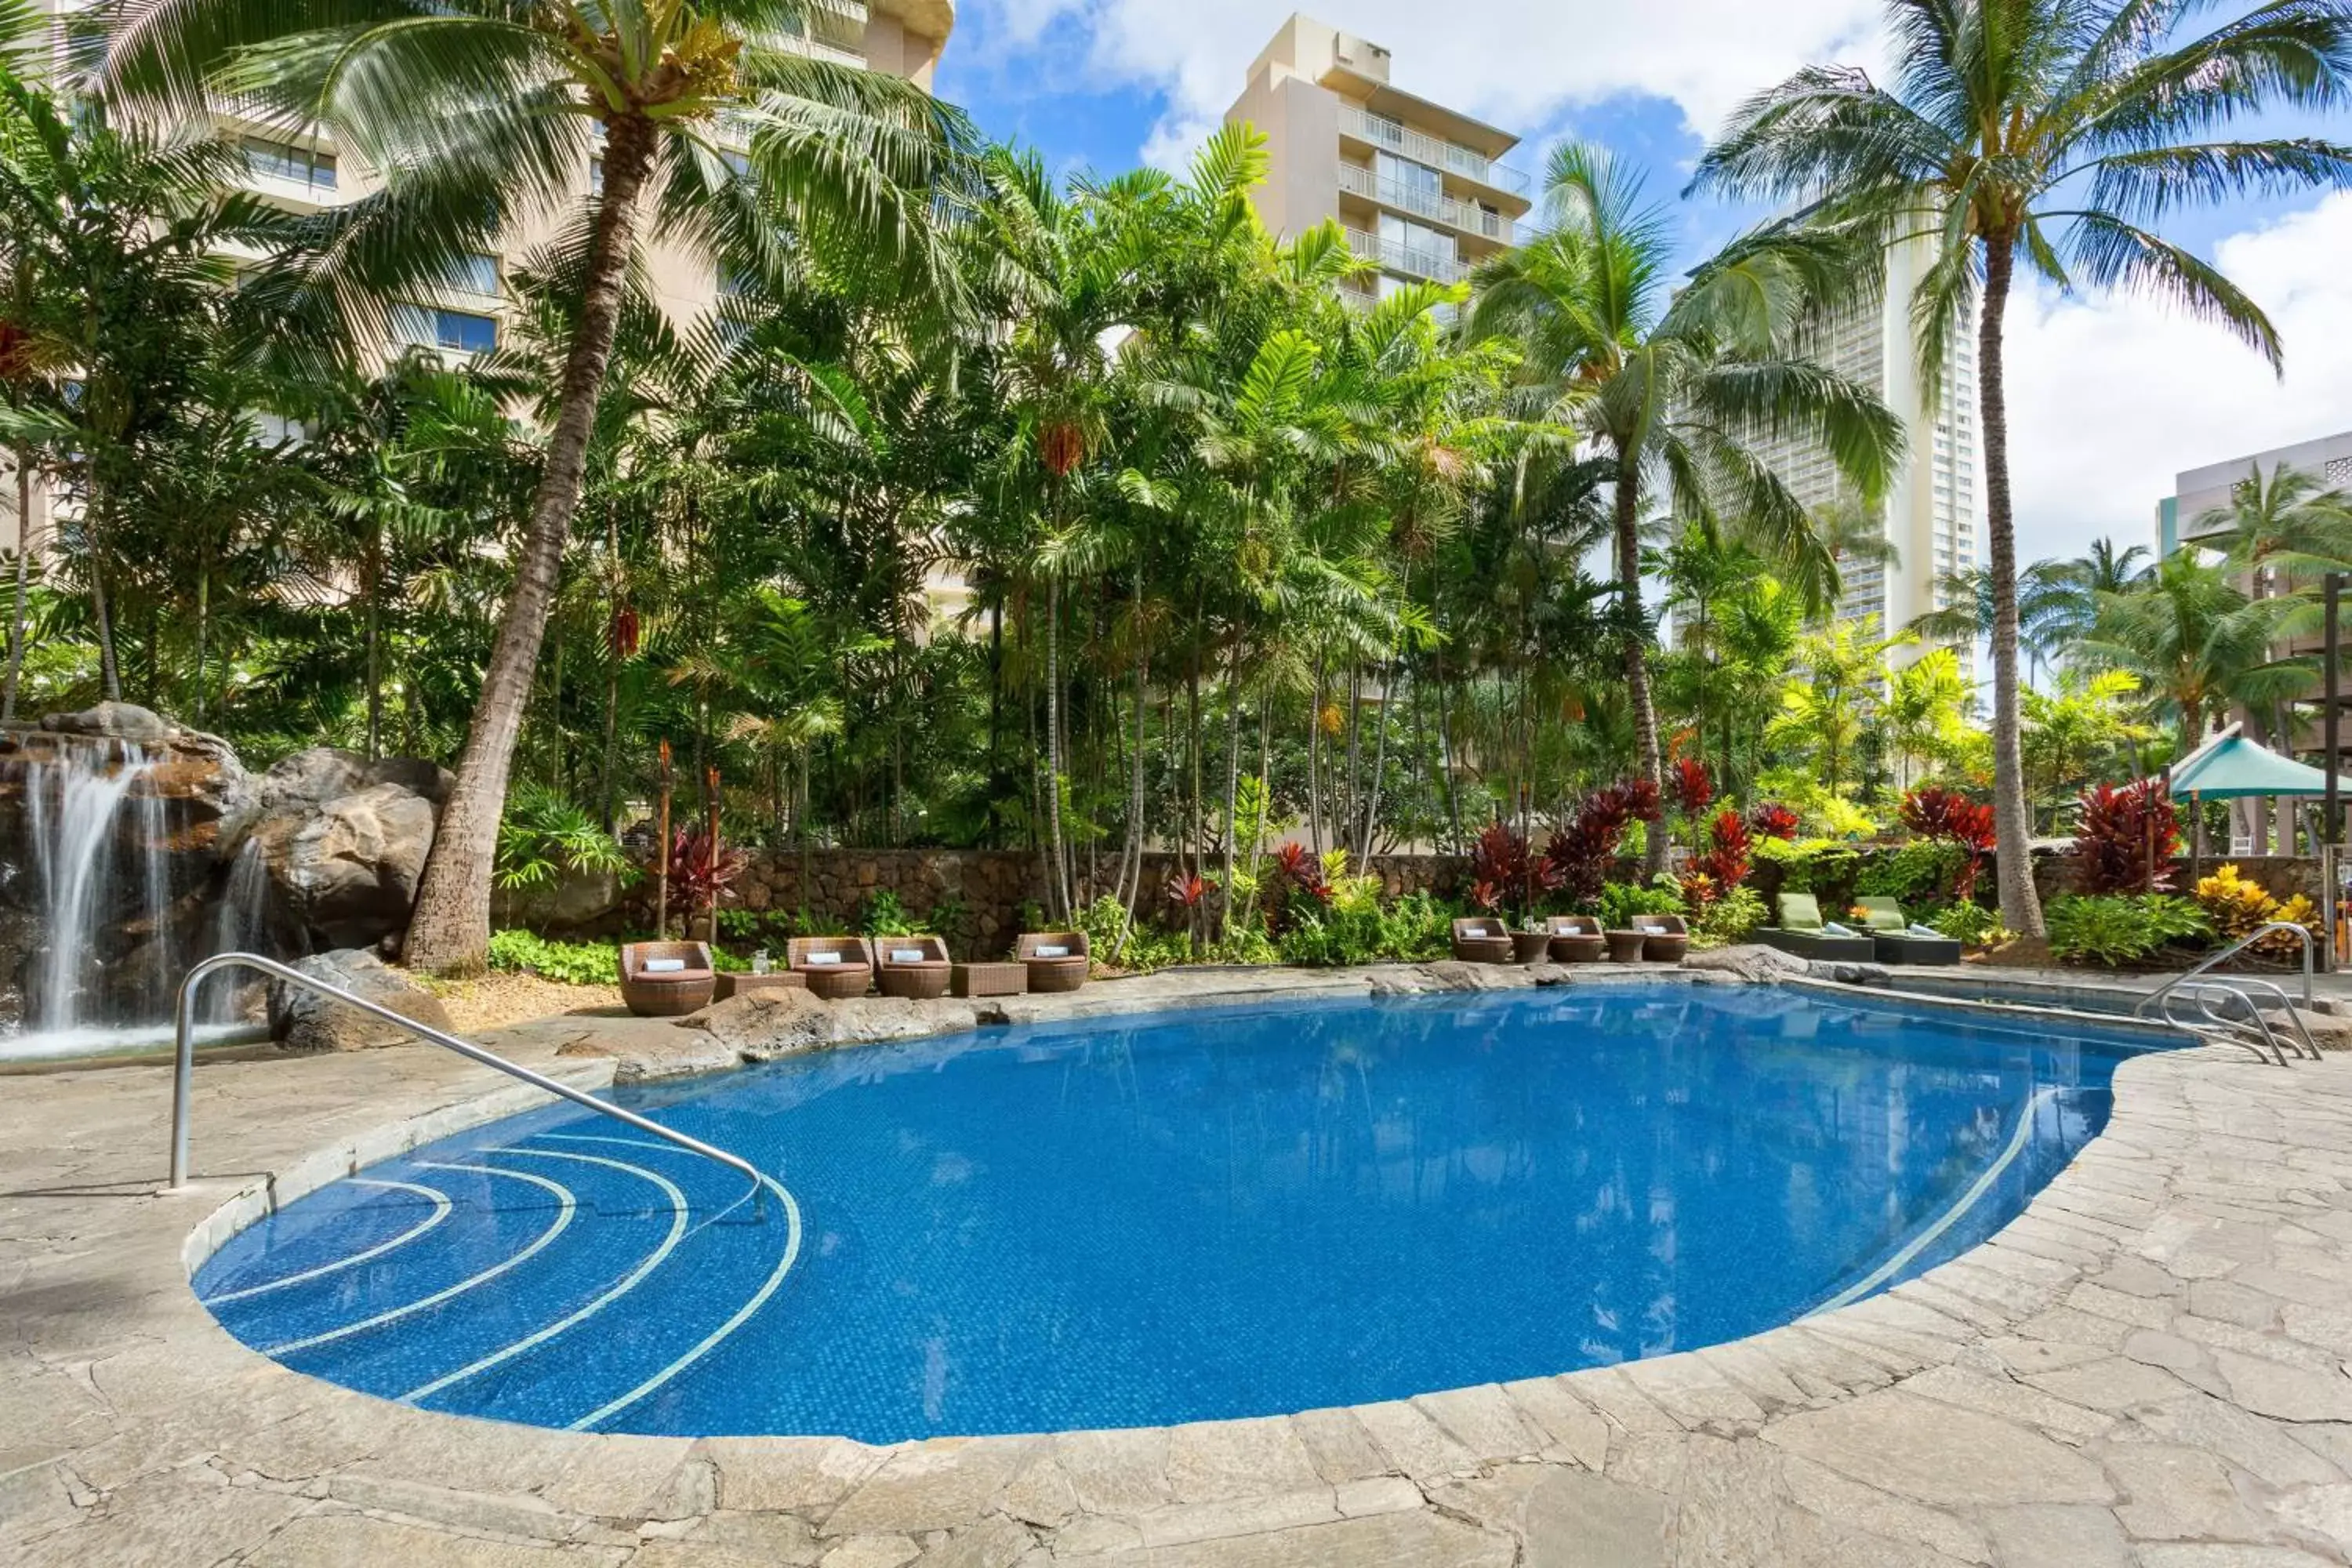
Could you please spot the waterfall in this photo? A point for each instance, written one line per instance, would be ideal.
(73, 804)
(115, 932)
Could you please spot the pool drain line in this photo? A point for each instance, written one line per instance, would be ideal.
(1948, 1218)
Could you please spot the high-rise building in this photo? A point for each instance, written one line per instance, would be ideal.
(1932, 511)
(1419, 187)
(310, 172)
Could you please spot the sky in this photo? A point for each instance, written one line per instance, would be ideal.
(2109, 397)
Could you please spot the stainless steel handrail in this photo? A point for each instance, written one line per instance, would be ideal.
(184, 1080)
(2235, 948)
(2254, 1032)
(2237, 985)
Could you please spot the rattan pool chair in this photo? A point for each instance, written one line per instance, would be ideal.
(837, 966)
(1891, 934)
(666, 993)
(1482, 939)
(1057, 960)
(911, 967)
(1665, 939)
(1576, 939)
(1801, 931)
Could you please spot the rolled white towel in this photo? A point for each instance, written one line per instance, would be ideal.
(907, 955)
(1055, 952)
(1830, 927)
(819, 960)
(1916, 929)
(664, 965)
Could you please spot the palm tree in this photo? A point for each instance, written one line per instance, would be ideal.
(1970, 608)
(1675, 385)
(2060, 603)
(472, 111)
(2058, 133)
(2285, 521)
(2200, 646)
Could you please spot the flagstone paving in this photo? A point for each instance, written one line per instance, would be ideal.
(2147, 1368)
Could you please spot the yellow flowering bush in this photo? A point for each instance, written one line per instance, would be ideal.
(2238, 906)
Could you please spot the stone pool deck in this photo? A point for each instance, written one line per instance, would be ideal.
(2146, 1368)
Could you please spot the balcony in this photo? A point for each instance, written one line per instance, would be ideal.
(823, 49)
(1410, 260)
(1421, 148)
(1467, 216)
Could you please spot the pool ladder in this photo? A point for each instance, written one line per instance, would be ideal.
(2241, 992)
(184, 1076)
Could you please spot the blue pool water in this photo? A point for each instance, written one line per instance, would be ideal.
(1146, 1220)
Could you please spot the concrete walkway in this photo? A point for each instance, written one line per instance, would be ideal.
(2147, 1368)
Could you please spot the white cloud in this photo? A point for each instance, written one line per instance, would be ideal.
(2111, 397)
(1515, 62)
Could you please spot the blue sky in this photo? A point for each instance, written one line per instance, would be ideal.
(2111, 397)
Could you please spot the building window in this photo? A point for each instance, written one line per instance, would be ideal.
(430, 326)
(283, 161)
(476, 273)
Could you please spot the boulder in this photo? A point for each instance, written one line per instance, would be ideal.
(302, 1020)
(1751, 962)
(345, 839)
(122, 721)
(774, 1024)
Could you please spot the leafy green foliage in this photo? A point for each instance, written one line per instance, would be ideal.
(1415, 929)
(1621, 902)
(1970, 924)
(883, 914)
(566, 962)
(2113, 928)
(543, 836)
(1730, 918)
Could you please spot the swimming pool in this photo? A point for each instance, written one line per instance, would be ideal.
(1181, 1216)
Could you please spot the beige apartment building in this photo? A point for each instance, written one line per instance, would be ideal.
(311, 173)
(1419, 187)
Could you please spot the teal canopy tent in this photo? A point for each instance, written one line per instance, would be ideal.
(2233, 767)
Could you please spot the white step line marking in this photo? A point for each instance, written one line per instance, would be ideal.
(628, 1281)
(1950, 1217)
(759, 1297)
(440, 1201)
(566, 1205)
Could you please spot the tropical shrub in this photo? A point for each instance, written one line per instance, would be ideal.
(1726, 860)
(1944, 816)
(542, 836)
(1730, 917)
(2238, 907)
(2122, 928)
(1499, 870)
(1969, 924)
(565, 962)
(2125, 838)
(1622, 901)
(1416, 926)
(700, 869)
(882, 913)
(1690, 787)
(1576, 861)
(1770, 819)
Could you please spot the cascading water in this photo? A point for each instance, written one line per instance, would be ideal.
(113, 933)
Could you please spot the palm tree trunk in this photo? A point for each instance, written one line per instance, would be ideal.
(23, 568)
(109, 670)
(1314, 752)
(373, 589)
(450, 930)
(1058, 867)
(1380, 762)
(2021, 909)
(1233, 772)
(1637, 654)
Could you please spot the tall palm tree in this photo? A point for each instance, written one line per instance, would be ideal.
(2200, 646)
(2057, 132)
(2288, 521)
(2061, 607)
(711, 128)
(1675, 386)
(1970, 608)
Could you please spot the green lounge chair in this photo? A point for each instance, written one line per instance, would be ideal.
(1891, 934)
(1801, 931)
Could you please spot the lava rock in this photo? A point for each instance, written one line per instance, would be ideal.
(345, 840)
(1752, 962)
(302, 1020)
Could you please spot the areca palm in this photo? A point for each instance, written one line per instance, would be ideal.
(1676, 387)
(2057, 133)
(480, 113)
(2200, 646)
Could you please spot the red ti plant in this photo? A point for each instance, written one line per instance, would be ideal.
(1723, 866)
(1945, 816)
(1693, 789)
(2125, 838)
(701, 869)
(1500, 869)
(1185, 890)
(1770, 819)
(1577, 860)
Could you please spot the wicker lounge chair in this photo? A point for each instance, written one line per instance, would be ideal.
(1057, 960)
(666, 993)
(1482, 939)
(1664, 938)
(836, 966)
(1801, 931)
(914, 966)
(1576, 939)
(1891, 934)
